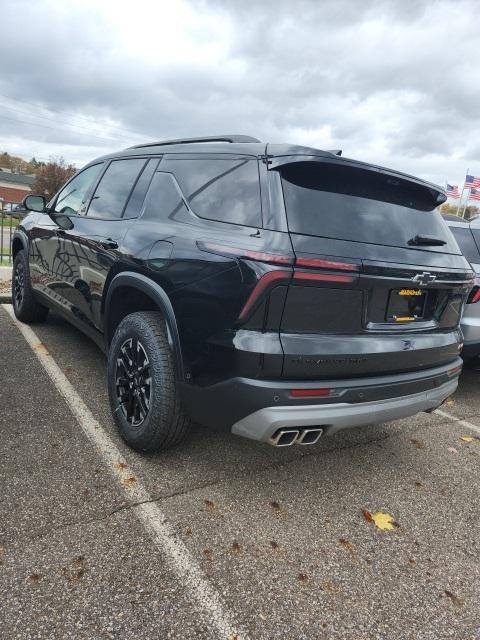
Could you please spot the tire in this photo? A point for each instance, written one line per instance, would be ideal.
(26, 307)
(146, 407)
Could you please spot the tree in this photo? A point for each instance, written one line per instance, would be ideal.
(470, 212)
(51, 176)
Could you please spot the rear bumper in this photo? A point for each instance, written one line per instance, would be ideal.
(230, 404)
(262, 425)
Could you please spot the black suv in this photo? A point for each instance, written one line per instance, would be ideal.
(276, 291)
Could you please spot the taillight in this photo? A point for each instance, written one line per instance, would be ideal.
(307, 269)
(256, 256)
(265, 281)
(317, 263)
(474, 295)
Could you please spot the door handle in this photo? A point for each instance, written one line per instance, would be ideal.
(109, 244)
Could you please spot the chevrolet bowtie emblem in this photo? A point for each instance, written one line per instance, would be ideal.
(424, 278)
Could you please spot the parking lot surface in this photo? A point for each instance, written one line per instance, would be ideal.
(222, 537)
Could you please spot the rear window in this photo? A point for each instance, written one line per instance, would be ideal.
(346, 203)
(464, 238)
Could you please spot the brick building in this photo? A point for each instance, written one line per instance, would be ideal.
(14, 186)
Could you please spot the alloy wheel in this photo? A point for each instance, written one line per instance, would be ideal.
(133, 382)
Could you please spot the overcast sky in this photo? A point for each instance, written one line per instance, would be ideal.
(391, 82)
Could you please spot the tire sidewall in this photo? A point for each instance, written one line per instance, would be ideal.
(163, 395)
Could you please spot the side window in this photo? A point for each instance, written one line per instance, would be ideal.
(476, 235)
(223, 190)
(74, 194)
(112, 191)
(135, 202)
(465, 240)
(163, 198)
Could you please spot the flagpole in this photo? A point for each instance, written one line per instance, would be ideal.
(461, 196)
(466, 203)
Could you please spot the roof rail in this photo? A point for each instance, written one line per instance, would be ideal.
(221, 138)
(336, 152)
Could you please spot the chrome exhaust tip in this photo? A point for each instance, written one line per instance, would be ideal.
(284, 437)
(309, 436)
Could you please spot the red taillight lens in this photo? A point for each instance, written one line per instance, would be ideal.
(310, 393)
(266, 280)
(317, 263)
(475, 292)
(321, 277)
(257, 256)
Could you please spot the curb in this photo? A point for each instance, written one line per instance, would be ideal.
(5, 299)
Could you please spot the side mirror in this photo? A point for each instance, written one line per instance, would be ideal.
(35, 203)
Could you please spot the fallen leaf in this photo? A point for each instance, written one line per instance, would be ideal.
(418, 443)
(275, 506)
(236, 548)
(383, 521)
(210, 505)
(452, 450)
(34, 577)
(121, 466)
(458, 602)
(129, 481)
(207, 553)
(274, 544)
(467, 438)
(188, 531)
(347, 545)
(303, 577)
(450, 401)
(329, 586)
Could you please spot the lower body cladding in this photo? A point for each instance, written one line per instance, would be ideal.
(284, 426)
(282, 412)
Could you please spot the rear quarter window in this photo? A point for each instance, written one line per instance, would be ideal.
(222, 190)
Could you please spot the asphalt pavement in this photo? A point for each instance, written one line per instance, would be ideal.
(282, 538)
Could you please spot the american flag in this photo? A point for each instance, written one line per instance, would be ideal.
(472, 181)
(474, 194)
(452, 191)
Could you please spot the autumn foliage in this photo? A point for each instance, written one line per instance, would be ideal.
(51, 176)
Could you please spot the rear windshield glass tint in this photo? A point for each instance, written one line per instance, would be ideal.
(464, 238)
(347, 203)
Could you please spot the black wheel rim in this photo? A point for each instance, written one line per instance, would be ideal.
(19, 284)
(133, 382)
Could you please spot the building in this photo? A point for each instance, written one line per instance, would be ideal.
(14, 186)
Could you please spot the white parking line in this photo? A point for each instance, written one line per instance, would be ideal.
(464, 423)
(163, 534)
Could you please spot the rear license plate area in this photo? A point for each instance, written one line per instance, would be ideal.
(406, 305)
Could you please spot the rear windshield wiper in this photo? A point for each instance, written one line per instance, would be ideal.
(426, 241)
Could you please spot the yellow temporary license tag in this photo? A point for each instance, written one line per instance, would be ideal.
(404, 318)
(410, 292)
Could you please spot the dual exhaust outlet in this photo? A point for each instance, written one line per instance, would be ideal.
(287, 437)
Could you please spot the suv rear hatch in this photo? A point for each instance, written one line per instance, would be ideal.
(379, 282)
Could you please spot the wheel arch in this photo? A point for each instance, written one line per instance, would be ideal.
(149, 296)
(19, 242)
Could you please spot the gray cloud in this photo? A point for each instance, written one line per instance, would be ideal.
(389, 82)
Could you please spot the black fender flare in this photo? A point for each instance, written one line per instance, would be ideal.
(22, 236)
(159, 297)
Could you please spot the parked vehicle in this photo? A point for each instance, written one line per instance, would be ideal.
(467, 235)
(276, 291)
